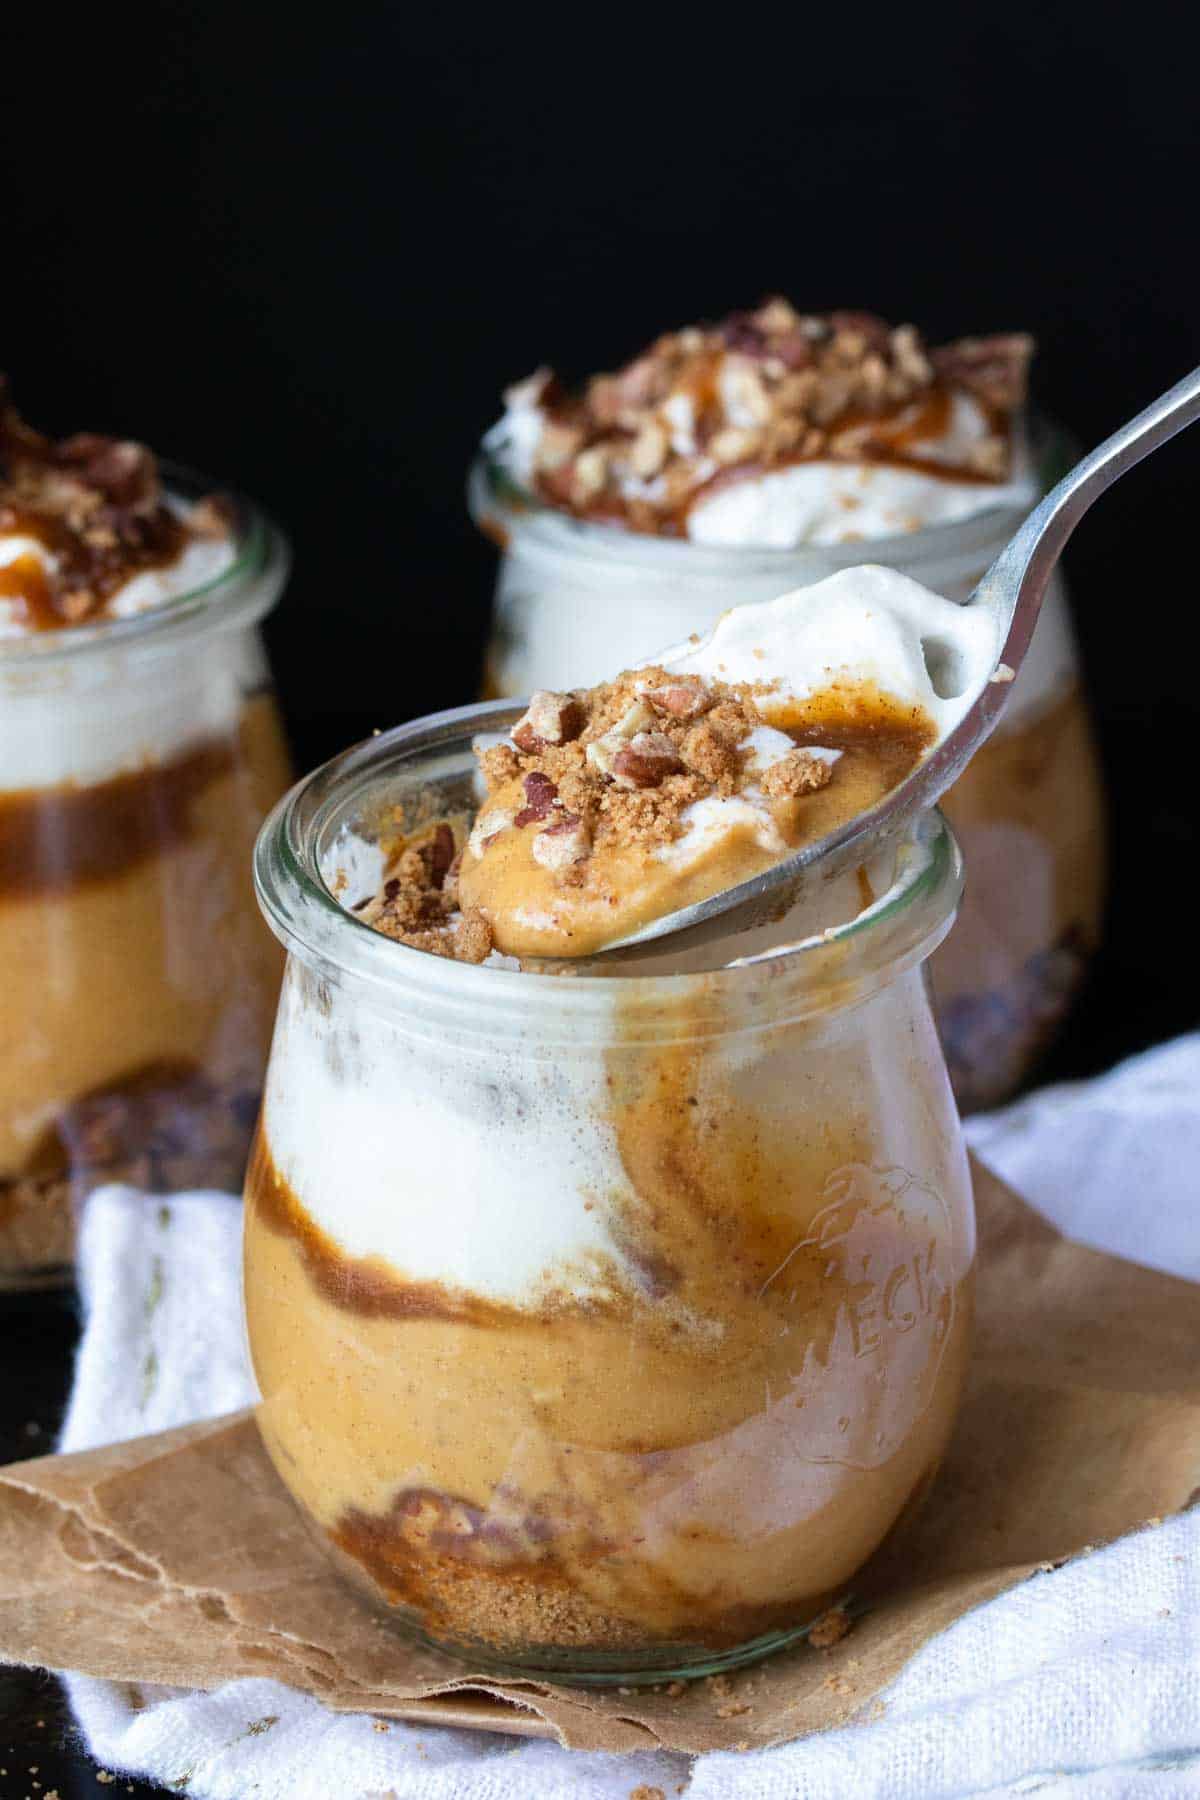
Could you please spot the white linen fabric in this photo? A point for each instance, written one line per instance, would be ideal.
(1082, 1684)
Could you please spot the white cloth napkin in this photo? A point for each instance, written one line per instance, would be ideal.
(1083, 1683)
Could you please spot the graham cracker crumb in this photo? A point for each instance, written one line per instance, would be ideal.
(830, 1628)
(799, 773)
(418, 904)
(642, 1792)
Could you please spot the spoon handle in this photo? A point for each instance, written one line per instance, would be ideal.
(1024, 567)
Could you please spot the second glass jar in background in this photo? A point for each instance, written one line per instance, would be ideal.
(576, 602)
(138, 758)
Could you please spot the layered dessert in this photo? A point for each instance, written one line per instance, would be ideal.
(609, 1324)
(140, 748)
(728, 462)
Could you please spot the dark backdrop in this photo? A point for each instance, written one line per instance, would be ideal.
(304, 250)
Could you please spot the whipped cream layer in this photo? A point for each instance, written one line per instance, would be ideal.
(87, 718)
(829, 503)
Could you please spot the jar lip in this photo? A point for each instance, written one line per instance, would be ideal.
(240, 595)
(902, 927)
(495, 497)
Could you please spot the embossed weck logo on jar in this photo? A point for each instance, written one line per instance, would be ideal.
(872, 1287)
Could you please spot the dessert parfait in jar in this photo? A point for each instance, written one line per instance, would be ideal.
(140, 749)
(726, 464)
(609, 1314)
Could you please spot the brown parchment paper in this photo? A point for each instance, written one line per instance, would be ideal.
(180, 1559)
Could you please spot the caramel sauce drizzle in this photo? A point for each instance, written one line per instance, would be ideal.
(358, 1284)
(55, 839)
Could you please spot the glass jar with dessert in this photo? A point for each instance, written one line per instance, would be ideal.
(140, 749)
(606, 1326)
(731, 463)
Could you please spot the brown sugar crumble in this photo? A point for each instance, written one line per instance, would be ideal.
(761, 390)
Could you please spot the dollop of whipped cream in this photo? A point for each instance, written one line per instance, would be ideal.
(608, 807)
(776, 428)
(87, 532)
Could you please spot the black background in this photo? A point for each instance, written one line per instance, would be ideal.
(304, 249)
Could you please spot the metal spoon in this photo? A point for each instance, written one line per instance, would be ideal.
(1011, 592)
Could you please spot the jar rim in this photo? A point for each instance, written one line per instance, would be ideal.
(500, 506)
(240, 595)
(899, 929)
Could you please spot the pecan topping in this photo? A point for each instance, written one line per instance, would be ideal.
(563, 843)
(602, 751)
(646, 761)
(762, 389)
(541, 795)
(549, 719)
(488, 827)
(680, 700)
(994, 368)
(442, 852)
(97, 504)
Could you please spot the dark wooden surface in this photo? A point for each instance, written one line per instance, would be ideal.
(40, 1750)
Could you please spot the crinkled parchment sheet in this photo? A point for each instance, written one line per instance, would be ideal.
(180, 1559)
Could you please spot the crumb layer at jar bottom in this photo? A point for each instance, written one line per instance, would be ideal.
(635, 1665)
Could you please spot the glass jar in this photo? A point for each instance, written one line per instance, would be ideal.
(604, 1326)
(577, 601)
(138, 758)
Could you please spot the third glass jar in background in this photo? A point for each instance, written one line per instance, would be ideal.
(138, 983)
(577, 601)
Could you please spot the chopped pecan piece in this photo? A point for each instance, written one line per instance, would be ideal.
(680, 699)
(550, 718)
(488, 826)
(441, 853)
(126, 473)
(541, 795)
(559, 845)
(994, 368)
(646, 761)
(602, 751)
(874, 332)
